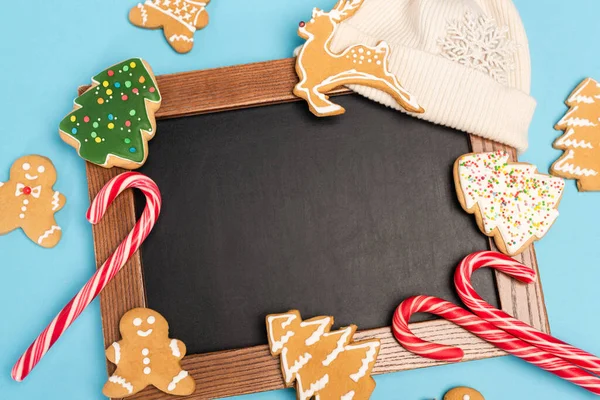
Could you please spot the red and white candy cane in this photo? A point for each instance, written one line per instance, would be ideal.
(541, 340)
(487, 332)
(106, 272)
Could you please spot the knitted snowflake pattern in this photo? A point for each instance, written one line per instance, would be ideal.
(477, 42)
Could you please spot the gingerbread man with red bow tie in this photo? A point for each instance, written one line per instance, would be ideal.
(29, 202)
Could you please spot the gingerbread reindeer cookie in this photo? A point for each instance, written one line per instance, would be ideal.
(146, 356)
(179, 19)
(321, 70)
(29, 202)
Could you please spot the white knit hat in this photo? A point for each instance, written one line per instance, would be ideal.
(466, 61)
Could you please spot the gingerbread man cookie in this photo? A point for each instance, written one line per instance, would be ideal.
(28, 201)
(146, 356)
(179, 19)
(463, 393)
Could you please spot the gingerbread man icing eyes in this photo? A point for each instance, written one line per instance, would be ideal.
(28, 201)
(146, 356)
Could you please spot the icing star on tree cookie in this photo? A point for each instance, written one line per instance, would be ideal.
(512, 202)
(29, 201)
(113, 120)
(146, 356)
(179, 20)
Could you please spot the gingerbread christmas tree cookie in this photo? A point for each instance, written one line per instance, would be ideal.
(512, 202)
(324, 364)
(179, 20)
(113, 120)
(581, 139)
(146, 356)
(29, 201)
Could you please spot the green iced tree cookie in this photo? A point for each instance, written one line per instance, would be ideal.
(113, 121)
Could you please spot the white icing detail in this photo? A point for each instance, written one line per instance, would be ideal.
(25, 201)
(566, 141)
(147, 370)
(289, 373)
(577, 97)
(144, 333)
(563, 166)
(174, 348)
(146, 361)
(277, 345)
(479, 43)
(23, 216)
(151, 320)
(322, 323)
(49, 232)
(313, 388)
(26, 167)
(31, 177)
(117, 347)
(55, 200)
(23, 208)
(172, 15)
(35, 192)
(41, 169)
(1, 184)
(466, 397)
(145, 352)
(368, 359)
(176, 379)
(137, 321)
(348, 396)
(574, 121)
(143, 12)
(341, 343)
(185, 38)
(121, 381)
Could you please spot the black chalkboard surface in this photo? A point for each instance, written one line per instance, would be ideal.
(269, 209)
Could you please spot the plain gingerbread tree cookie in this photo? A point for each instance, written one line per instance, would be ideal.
(146, 356)
(29, 201)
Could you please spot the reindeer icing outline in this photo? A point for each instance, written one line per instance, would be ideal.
(321, 70)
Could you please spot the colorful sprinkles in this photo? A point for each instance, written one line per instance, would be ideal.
(512, 197)
(103, 122)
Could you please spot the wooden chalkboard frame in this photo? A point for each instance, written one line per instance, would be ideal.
(250, 370)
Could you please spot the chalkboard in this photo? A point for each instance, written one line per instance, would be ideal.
(268, 209)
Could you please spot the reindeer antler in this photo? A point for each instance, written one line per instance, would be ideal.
(344, 9)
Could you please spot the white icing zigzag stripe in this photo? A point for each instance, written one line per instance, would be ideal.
(48, 233)
(348, 396)
(565, 141)
(174, 38)
(316, 336)
(369, 358)
(340, 346)
(174, 348)
(144, 13)
(178, 378)
(313, 387)
(121, 381)
(568, 121)
(277, 345)
(301, 362)
(55, 201)
(117, 348)
(563, 166)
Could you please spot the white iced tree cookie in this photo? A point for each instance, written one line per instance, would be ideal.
(512, 202)
(146, 356)
(324, 364)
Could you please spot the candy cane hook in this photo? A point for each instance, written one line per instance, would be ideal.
(106, 272)
(541, 340)
(484, 330)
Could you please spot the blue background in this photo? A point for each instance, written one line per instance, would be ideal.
(48, 48)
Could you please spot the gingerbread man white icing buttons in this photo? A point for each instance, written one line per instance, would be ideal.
(146, 356)
(29, 201)
(463, 393)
